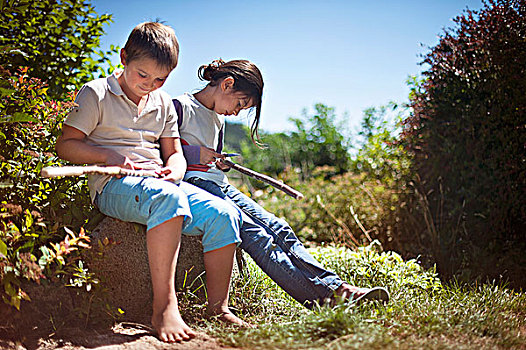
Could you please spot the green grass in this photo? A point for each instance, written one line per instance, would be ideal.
(423, 312)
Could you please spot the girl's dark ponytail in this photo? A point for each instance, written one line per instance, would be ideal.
(247, 79)
(206, 71)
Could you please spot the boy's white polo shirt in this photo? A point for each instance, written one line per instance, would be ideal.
(111, 120)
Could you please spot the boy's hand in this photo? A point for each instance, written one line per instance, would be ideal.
(170, 174)
(173, 157)
(116, 159)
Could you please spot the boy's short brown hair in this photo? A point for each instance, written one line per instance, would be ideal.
(153, 40)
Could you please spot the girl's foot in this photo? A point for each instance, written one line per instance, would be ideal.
(170, 326)
(228, 317)
(356, 294)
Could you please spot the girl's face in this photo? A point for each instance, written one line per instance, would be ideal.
(231, 102)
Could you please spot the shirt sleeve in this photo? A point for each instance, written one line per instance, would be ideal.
(192, 154)
(85, 116)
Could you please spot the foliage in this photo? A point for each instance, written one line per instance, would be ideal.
(277, 156)
(423, 312)
(34, 212)
(350, 208)
(318, 140)
(346, 209)
(237, 139)
(57, 43)
(379, 154)
(371, 266)
(57, 39)
(466, 133)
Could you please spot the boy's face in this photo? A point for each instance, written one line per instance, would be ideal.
(141, 76)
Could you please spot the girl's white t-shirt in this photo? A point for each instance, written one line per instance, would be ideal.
(201, 127)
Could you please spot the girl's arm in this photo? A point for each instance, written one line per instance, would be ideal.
(174, 161)
(72, 146)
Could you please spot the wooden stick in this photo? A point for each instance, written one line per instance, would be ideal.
(74, 170)
(271, 181)
(94, 169)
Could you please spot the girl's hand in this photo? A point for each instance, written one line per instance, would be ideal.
(208, 155)
(222, 166)
(171, 174)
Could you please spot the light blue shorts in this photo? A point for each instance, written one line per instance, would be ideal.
(150, 201)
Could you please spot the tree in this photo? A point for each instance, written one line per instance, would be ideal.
(379, 154)
(57, 40)
(467, 133)
(320, 141)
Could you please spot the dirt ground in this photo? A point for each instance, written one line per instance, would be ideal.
(52, 320)
(122, 336)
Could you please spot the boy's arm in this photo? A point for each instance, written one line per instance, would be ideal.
(173, 158)
(72, 146)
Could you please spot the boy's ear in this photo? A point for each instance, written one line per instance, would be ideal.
(227, 83)
(123, 57)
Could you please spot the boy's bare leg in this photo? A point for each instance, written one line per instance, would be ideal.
(218, 266)
(163, 248)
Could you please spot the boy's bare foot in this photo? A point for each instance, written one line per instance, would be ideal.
(170, 326)
(356, 294)
(228, 317)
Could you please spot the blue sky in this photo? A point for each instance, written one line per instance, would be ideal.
(350, 55)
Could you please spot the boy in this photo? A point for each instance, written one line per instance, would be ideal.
(121, 120)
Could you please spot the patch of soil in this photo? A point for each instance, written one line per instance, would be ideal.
(51, 321)
(132, 336)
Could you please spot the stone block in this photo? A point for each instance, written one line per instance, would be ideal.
(124, 267)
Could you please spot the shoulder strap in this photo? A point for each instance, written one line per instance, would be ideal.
(179, 110)
(220, 143)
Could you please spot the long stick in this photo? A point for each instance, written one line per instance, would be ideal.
(115, 170)
(271, 181)
(94, 169)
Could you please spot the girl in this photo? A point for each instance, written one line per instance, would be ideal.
(270, 241)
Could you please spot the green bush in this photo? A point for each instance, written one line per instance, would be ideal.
(371, 266)
(351, 208)
(379, 154)
(345, 209)
(320, 140)
(41, 220)
(35, 212)
(466, 133)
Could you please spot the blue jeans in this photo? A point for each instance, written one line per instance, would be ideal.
(150, 201)
(273, 245)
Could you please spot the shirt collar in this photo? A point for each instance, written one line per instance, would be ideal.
(114, 85)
